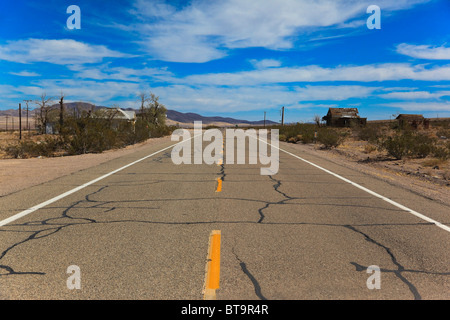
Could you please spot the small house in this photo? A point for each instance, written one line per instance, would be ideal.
(118, 116)
(343, 117)
(413, 120)
(125, 115)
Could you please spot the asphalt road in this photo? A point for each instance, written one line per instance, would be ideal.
(143, 232)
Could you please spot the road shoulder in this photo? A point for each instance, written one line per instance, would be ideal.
(20, 174)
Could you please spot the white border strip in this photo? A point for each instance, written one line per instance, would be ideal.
(65, 194)
(398, 205)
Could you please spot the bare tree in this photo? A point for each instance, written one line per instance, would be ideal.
(157, 111)
(144, 98)
(317, 120)
(42, 117)
(152, 111)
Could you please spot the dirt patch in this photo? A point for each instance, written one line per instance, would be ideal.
(19, 174)
(427, 169)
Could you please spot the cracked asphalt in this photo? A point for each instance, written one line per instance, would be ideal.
(142, 233)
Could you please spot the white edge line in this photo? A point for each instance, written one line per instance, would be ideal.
(65, 194)
(398, 205)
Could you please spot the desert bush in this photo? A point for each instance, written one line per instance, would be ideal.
(89, 134)
(297, 132)
(423, 146)
(330, 138)
(28, 148)
(307, 135)
(368, 133)
(443, 132)
(23, 149)
(369, 148)
(141, 130)
(161, 131)
(126, 134)
(395, 146)
(408, 144)
(442, 152)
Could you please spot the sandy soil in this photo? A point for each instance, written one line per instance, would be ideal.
(19, 174)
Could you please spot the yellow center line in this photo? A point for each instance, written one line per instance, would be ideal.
(212, 277)
(219, 185)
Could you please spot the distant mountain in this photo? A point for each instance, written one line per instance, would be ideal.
(189, 117)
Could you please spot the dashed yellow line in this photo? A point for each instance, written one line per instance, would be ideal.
(219, 185)
(219, 180)
(212, 276)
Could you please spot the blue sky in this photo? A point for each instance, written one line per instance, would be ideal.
(234, 58)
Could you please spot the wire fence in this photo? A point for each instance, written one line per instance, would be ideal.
(11, 123)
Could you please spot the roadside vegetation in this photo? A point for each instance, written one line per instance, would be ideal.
(383, 142)
(311, 133)
(397, 142)
(90, 131)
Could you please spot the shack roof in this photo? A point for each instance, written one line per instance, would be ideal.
(410, 117)
(343, 112)
(118, 113)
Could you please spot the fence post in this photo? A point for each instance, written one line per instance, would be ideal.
(20, 122)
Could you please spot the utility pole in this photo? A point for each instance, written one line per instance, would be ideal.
(61, 112)
(282, 116)
(20, 122)
(264, 119)
(7, 116)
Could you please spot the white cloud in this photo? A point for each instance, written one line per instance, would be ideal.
(314, 73)
(154, 8)
(424, 51)
(181, 47)
(64, 51)
(204, 30)
(265, 63)
(105, 72)
(25, 73)
(414, 95)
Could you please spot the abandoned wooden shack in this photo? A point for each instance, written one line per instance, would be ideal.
(343, 117)
(416, 121)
